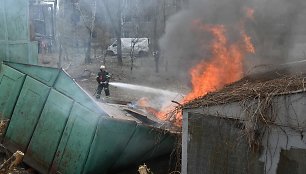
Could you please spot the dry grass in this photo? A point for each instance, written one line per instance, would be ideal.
(247, 89)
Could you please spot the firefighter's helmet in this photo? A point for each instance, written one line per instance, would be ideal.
(102, 67)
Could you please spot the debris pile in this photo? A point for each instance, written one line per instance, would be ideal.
(11, 163)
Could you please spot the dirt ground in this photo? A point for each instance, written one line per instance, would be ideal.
(143, 73)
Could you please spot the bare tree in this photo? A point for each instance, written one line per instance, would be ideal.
(116, 22)
(64, 30)
(88, 16)
(155, 36)
(118, 34)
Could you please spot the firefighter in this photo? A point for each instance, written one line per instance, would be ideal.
(103, 80)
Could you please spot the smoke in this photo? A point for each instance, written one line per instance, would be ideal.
(273, 31)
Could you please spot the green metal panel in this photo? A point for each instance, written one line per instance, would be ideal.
(166, 145)
(33, 54)
(17, 19)
(75, 144)
(45, 75)
(26, 52)
(3, 32)
(110, 140)
(48, 132)
(2, 21)
(15, 42)
(18, 52)
(2, 52)
(135, 150)
(68, 86)
(10, 84)
(26, 114)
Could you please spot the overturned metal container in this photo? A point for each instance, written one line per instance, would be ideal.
(61, 129)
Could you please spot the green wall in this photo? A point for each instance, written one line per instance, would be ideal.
(15, 44)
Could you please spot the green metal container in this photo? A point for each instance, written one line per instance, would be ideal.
(61, 129)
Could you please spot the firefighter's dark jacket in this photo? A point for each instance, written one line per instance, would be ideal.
(103, 76)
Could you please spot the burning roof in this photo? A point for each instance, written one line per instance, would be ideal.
(256, 86)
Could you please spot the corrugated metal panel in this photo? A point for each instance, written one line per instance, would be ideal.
(111, 138)
(75, 144)
(10, 84)
(48, 132)
(26, 114)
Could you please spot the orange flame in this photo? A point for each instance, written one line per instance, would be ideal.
(248, 43)
(223, 67)
(145, 103)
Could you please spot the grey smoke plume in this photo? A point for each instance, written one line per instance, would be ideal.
(274, 30)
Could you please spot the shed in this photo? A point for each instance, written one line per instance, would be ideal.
(255, 125)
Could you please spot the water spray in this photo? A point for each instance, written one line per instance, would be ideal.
(145, 89)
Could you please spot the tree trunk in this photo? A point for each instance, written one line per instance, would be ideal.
(88, 51)
(155, 38)
(119, 50)
(132, 56)
(157, 64)
(60, 55)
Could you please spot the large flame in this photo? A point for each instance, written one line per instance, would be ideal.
(224, 66)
